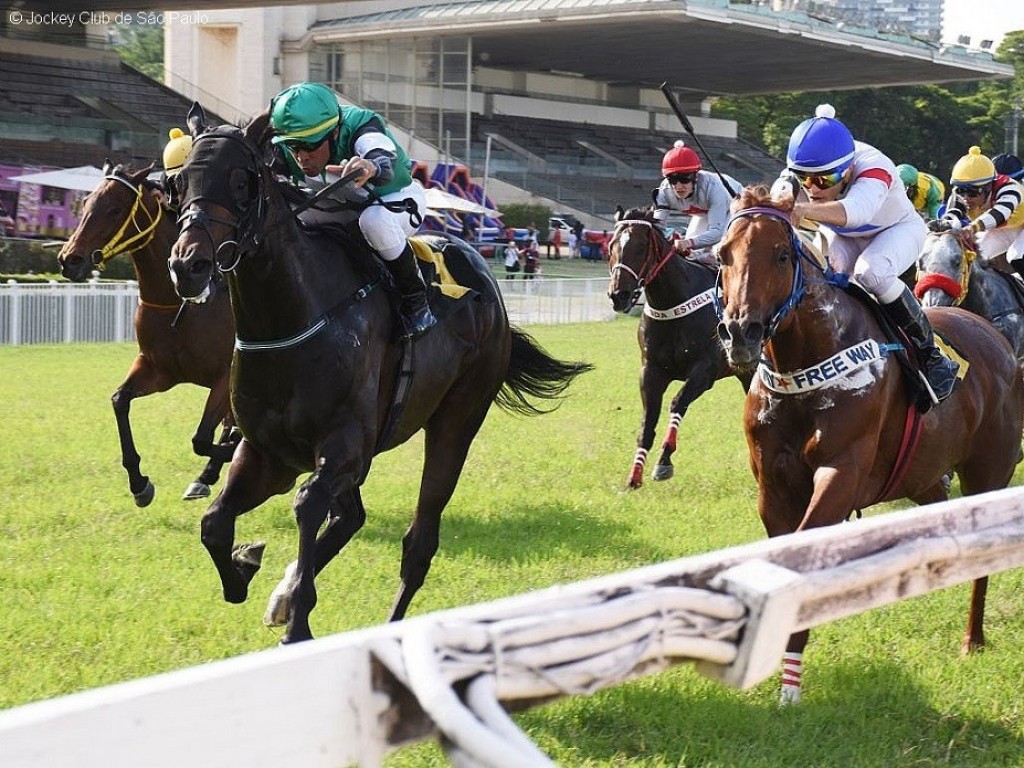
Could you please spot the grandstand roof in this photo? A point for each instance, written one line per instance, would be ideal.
(709, 46)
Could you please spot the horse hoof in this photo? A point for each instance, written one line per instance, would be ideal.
(663, 472)
(247, 559)
(145, 496)
(280, 601)
(196, 491)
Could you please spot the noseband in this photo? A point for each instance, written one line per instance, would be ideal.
(246, 222)
(654, 259)
(957, 290)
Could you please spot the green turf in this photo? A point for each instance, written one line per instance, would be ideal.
(98, 591)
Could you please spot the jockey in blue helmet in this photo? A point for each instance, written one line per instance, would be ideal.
(873, 231)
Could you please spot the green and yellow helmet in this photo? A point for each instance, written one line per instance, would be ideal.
(176, 151)
(908, 174)
(972, 170)
(304, 112)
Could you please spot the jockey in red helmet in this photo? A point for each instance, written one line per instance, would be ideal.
(873, 231)
(686, 188)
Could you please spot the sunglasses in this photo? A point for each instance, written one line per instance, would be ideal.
(819, 180)
(681, 178)
(972, 191)
(304, 146)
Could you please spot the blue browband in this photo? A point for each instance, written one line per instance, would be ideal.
(799, 287)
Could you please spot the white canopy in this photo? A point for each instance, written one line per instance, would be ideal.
(84, 178)
(439, 200)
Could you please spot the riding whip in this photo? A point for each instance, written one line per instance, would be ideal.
(674, 104)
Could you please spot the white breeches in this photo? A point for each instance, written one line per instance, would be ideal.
(386, 232)
(876, 262)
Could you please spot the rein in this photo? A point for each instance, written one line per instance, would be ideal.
(145, 233)
(644, 274)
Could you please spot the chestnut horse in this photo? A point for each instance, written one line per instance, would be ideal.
(320, 381)
(950, 274)
(678, 331)
(122, 215)
(827, 413)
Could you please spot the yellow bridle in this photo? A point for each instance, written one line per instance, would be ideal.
(965, 274)
(118, 243)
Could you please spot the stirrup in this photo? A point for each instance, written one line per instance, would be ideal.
(939, 378)
(416, 320)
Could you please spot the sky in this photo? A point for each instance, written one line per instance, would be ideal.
(982, 20)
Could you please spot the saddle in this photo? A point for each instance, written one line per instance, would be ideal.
(909, 363)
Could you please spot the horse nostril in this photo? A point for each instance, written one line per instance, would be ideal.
(754, 333)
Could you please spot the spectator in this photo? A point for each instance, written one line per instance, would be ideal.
(573, 244)
(511, 260)
(555, 243)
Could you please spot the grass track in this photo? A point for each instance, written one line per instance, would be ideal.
(97, 591)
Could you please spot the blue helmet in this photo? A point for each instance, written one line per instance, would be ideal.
(821, 144)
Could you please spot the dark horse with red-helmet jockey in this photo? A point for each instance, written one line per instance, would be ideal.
(677, 334)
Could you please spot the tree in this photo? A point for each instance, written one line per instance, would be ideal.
(142, 47)
(929, 126)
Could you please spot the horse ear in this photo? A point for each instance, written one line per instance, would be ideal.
(107, 166)
(141, 175)
(258, 130)
(196, 119)
(783, 192)
(619, 212)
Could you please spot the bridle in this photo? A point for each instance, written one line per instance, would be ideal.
(654, 260)
(798, 253)
(246, 223)
(957, 290)
(120, 242)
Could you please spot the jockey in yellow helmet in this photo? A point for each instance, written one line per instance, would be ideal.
(990, 203)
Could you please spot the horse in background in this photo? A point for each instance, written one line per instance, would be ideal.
(193, 345)
(320, 381)
(950, 274)
(677, 334)
(831, 425)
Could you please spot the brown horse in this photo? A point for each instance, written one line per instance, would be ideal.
(829, 412)
(320, 381)
(677, 333)
(124, 214)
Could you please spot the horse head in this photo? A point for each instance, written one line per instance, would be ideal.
(761, 275)
(636, 253)
(944, 268)
(119, 216)
(222, 188)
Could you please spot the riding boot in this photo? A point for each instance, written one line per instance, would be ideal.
(417, 318)
(940, 372)
(1018, 266)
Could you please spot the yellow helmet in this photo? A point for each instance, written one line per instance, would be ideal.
(972, 170)
(176, 151)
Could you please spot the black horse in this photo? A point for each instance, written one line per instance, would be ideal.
(320, 381)
(678, 333)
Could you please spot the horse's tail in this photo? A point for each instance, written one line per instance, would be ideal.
(532, 372)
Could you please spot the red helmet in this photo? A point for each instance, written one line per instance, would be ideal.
(680, 159)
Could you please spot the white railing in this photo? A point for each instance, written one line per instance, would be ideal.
(56, 313)
(351, 698)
